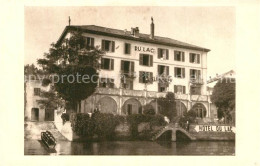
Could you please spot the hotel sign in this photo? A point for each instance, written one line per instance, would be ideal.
(144, 49)
(209, 128)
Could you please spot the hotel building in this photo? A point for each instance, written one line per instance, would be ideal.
(133, 55)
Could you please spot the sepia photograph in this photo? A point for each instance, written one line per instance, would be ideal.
(130, 80)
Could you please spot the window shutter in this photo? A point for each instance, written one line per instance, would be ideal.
(190, 57)
(141, 77)
(175, 55)
(159, 53)
(190, 73)
(92, 42)
(151, 60)
(151, 77)
(129, 48)
(112, 64)
(167, 54)
(103, 45)
(158, 69)
(175, 88)
(167, 70)
(131, 85)
(132, 67)
(183, 72)
(184, 89)
(102, 63)
(183, 56)
(199, 74)
(122, 65)
(175, 72)
(198, 58)
(141, 59)
(113, 46)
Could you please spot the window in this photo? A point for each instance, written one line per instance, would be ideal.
(163, 70)
(127, 48)
(89, 42)
(179, 89)
(108, 45)
(127, 66)
(163, 53)
(194, 58)
(195, 74)
(146, 60)
(179, 72)
(37, 91)
(106, 83)
(179, 56)
(107, 64)
(162, 87)
(145, 77)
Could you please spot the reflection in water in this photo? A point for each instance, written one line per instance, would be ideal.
(35, 147)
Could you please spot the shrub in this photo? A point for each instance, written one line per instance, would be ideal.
(148, 110)
(188, 116)
(101, 124)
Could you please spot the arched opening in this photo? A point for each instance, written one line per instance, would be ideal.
(200, 109)
(132, 106)
(180, 136)
(107, 105)
(181, 108)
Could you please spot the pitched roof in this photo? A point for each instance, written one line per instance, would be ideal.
(127, 35)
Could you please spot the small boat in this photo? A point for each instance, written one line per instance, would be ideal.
(48, 139)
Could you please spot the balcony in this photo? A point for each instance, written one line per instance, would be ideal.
(108, 91)
(199, 98)
(196, 81)
(138, 93)
(128, 74)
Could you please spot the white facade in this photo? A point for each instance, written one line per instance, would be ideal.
(146, 93)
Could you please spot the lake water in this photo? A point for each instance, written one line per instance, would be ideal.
(35, 147)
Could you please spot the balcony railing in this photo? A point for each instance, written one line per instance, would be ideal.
(149, 94)
(109, 91)
(197, 81)
(138, 93)
(199, 98)
(128, 74)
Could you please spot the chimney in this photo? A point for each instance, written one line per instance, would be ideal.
(135, 32)
(152, 29)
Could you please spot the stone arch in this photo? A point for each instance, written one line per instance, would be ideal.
(131, 106)
(107, 105)
(200, 109)
(180, 108)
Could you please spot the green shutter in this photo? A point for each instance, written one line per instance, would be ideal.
(175, 88)
(122, 65)
(112, 64)
(141, 59)
(103, 45)
(183, 72)
(159, 53)
(151, 60)
(140, 77)
(132, 65)
(102, 63)
(184, 89)
(113, 46)
(92, 42)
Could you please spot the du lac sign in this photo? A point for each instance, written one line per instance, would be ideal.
(210, 128)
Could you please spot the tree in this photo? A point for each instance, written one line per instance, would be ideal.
(223, 96)
(168, 105)
(73, 67)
